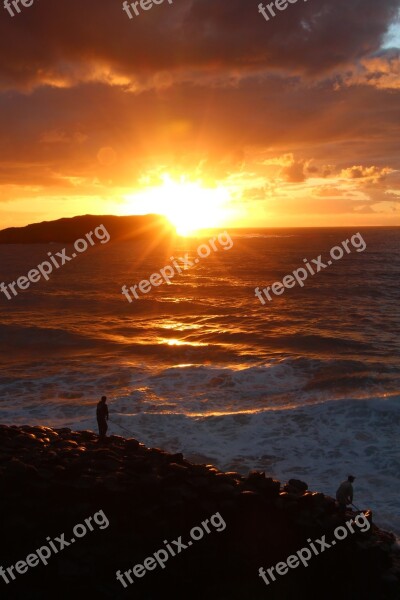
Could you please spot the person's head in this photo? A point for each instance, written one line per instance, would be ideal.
(351, 478)
(104, 399)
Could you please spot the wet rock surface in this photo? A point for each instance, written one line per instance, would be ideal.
(52, 480)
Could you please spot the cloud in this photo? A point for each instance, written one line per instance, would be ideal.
(330, 192)
(370, 174)
(70, 42)
(296, 172)
(58, 136)
(92, 102)
(380, 70)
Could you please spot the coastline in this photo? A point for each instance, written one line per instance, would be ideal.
(58, 477)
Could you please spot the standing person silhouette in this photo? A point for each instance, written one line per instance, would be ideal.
(102, 418)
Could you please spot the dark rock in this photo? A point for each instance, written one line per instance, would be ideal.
(199, 482)
(233, 475)
(296, 486)
(176, 458)
(149, 496)
(222, 490)
(249, 498)
(132, 444)
(17, 467)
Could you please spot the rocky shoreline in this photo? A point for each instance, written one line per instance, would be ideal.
(51, 480)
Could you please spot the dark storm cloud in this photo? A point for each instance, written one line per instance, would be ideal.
(308, 37)
(68, 41)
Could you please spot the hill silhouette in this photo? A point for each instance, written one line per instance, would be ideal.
(67, 230)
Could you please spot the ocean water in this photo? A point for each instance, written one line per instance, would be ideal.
(305, 386)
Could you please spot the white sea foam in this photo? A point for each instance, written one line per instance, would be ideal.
(320, 443)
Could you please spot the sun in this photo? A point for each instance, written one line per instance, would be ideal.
(187, 205)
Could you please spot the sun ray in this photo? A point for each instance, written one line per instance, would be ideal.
(188, 205)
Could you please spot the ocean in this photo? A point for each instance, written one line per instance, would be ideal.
(304, 386)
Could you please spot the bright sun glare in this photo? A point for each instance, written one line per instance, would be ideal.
(188, 205)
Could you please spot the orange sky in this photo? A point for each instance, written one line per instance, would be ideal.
(238, 121)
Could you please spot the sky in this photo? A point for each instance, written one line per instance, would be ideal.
(201, 110)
